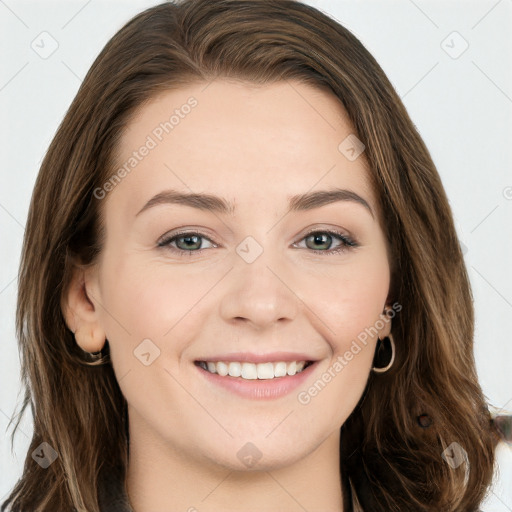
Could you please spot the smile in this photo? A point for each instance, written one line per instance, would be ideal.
(252, 371)
(257, 380)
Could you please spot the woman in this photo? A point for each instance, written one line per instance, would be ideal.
(241, 287)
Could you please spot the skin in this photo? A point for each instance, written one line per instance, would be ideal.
(254, 146)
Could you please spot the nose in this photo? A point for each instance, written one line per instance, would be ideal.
(258, 294)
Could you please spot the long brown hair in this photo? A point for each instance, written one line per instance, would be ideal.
(391, 459)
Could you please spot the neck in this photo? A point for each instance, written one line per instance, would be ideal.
(160, 479)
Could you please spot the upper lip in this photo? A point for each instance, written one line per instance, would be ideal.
(248, 357)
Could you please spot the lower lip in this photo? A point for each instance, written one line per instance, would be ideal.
(259, 389)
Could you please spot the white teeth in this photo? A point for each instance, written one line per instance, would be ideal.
(251, 371)
(280, 369)
(222, 369)
(265, 370)
(235, 369)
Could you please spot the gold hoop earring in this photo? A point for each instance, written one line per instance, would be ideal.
(384, 349)
(96, 358)
(92, 358)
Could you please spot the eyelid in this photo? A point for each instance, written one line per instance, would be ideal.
(327, 229)
(191, 231)
(347, 241)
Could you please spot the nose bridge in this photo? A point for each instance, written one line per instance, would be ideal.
(255, 291)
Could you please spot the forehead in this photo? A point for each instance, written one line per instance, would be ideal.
(241, 141)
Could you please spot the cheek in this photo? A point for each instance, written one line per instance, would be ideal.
(149, 300)
(348, 303)
(348, 319)
(348, 299)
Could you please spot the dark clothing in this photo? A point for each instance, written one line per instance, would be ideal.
(112, 495)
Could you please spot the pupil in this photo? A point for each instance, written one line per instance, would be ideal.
(321, 239)
(191, 241)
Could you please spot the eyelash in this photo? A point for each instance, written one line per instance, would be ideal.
(347, 243)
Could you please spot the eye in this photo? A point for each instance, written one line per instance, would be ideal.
(186, 242)
(321, 241)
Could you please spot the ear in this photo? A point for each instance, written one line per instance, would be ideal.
(80, 313)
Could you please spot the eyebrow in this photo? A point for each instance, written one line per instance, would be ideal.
(209, 202)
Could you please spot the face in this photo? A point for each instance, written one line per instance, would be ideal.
(266, 272)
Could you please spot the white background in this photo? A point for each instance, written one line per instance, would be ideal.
(462, 107)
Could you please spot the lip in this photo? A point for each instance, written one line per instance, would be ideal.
(264, 389)
(249, 357)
